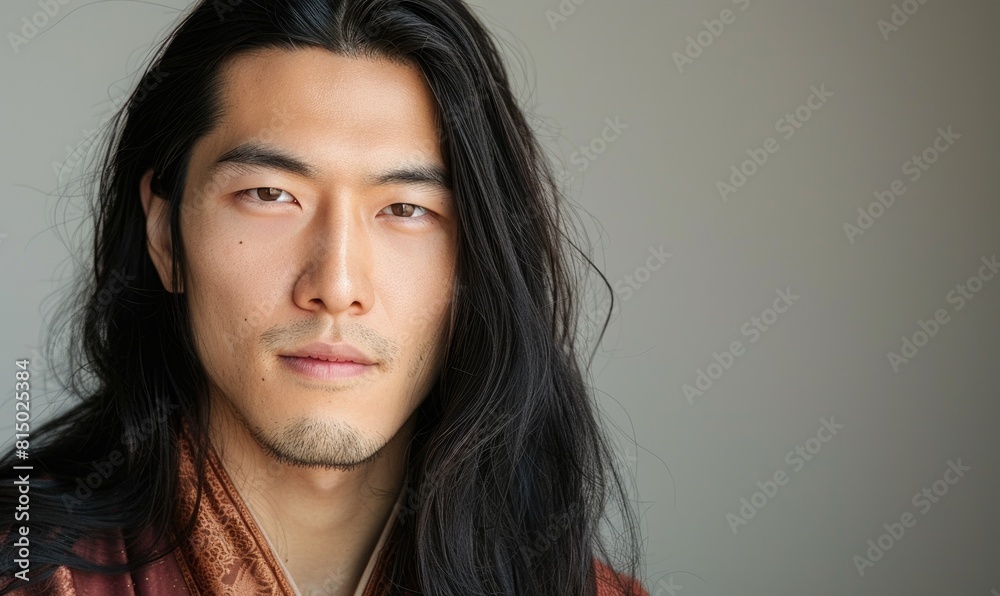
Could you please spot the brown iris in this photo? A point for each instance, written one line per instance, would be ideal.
(403, 209)
(269, 194)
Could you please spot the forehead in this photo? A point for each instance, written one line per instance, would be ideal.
(346, 114)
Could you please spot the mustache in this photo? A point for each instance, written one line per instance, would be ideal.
(287, 335)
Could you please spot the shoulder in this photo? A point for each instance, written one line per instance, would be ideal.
(162, 576)
(612, 583)
(69, 581)
(60, 583)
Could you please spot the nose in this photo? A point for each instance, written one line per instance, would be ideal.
(336, 264)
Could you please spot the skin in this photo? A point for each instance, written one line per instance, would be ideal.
(333, 258)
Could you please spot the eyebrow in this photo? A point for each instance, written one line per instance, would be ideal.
(256, 155)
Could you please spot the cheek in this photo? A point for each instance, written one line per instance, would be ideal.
(224, 313)
(416, 290)
(227, 268)
(419, 269)
(426, 329)
(425, 358)
(217, 337)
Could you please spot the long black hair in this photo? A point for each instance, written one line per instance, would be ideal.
(512, 474)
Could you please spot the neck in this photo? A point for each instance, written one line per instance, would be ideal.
(323, 524)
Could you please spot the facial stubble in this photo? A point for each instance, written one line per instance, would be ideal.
(311, 443)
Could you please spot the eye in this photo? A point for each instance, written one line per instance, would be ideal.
(266, 194)
(407, 211)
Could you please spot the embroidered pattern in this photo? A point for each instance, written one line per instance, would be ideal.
(226, 552)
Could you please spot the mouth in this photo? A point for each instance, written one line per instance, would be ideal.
(325, 368)
(326, 361)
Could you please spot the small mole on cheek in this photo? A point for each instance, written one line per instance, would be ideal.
(241, 242)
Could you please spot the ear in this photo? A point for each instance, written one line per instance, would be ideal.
(157, 211)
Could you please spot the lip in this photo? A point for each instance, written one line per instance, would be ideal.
(324, 361)
(339, 352)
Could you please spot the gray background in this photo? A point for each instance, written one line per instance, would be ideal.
(655, 185)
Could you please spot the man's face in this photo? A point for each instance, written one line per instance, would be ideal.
(356, 250)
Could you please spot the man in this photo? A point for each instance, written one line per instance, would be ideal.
(343, 360)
